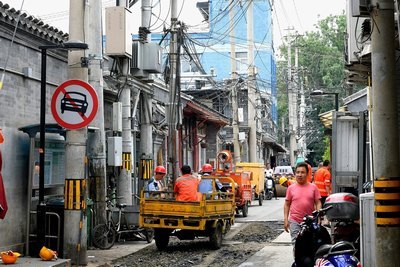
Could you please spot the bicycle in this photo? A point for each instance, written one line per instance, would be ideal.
(105, 235)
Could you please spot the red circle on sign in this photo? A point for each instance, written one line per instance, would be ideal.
(87, 91)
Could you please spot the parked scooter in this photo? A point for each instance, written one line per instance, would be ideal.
(344, 217)
(269, 188)
(313, 245)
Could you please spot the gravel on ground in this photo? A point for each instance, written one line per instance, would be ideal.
(237, 248)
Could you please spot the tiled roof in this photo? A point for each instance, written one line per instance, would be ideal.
(31, 24)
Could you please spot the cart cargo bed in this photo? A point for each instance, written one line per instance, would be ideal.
(193, 215)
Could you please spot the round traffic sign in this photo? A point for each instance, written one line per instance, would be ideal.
(74, 104)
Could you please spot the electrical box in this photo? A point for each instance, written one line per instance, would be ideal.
(117, 117)
(242, 136)
(240, 115)
(152, 57)
(137, 52)
(114, 151)
(146, 58)
(118, 31)
(367, 235)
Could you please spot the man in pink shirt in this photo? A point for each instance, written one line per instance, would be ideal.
(302, 198)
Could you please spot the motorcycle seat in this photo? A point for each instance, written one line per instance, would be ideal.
(342, 246)
(337, 248)
(322, 251)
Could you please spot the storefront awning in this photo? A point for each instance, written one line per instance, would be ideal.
(204, 113)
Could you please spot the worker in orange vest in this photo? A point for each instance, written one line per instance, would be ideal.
(309, 173)
(322, 179)
(186, 186)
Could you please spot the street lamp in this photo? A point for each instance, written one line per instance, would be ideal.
(41, 208)
(320, 92)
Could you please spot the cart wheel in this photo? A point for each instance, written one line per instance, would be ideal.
(103, 236)
(162, 238)
(216, 237)
(245, 209)
(260, 199)
(149, 232)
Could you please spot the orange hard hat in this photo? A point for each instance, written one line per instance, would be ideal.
(160, 169)
(207, 168)
(47, 254)
(282, 180)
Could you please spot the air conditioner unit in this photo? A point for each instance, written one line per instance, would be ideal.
(356, 41)
(360, 8)
(367, 231)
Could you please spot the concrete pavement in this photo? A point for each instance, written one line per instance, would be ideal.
(98, 257)
(278, 254)
(37, 262)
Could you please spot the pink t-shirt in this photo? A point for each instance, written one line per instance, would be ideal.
(302, 198)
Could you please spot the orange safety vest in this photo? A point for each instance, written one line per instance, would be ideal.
(309, 173)
(322, 179)
(186, 187)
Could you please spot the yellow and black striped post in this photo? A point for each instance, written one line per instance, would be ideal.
(146, 169)
(387, 205)
(74, 194)
(127, 161)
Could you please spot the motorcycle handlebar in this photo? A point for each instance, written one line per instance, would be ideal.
(321, 212)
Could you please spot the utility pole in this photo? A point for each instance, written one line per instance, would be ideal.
(173, 108)
(283, 131)
(75, 233)
(302, 114)
(385, 134)
(251, 96)
(298, 123)
(96, 147)
(292, 104)
(146, 128)
(124, 183)
(235, 120)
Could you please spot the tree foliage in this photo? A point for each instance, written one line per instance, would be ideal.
(321, 66)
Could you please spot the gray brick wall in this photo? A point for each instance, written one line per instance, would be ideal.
(19, 107)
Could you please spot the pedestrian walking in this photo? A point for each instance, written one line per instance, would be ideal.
(302, 198)
(322, 179)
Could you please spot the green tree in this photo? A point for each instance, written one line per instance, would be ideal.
(321, 56)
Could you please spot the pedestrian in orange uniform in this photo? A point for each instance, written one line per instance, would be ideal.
(186, 186)
(322, 179)
(309, 173)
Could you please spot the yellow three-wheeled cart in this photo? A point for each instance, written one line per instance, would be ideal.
(211, 217)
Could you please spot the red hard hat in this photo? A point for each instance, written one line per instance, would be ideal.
(160, 169)
(207, 168)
